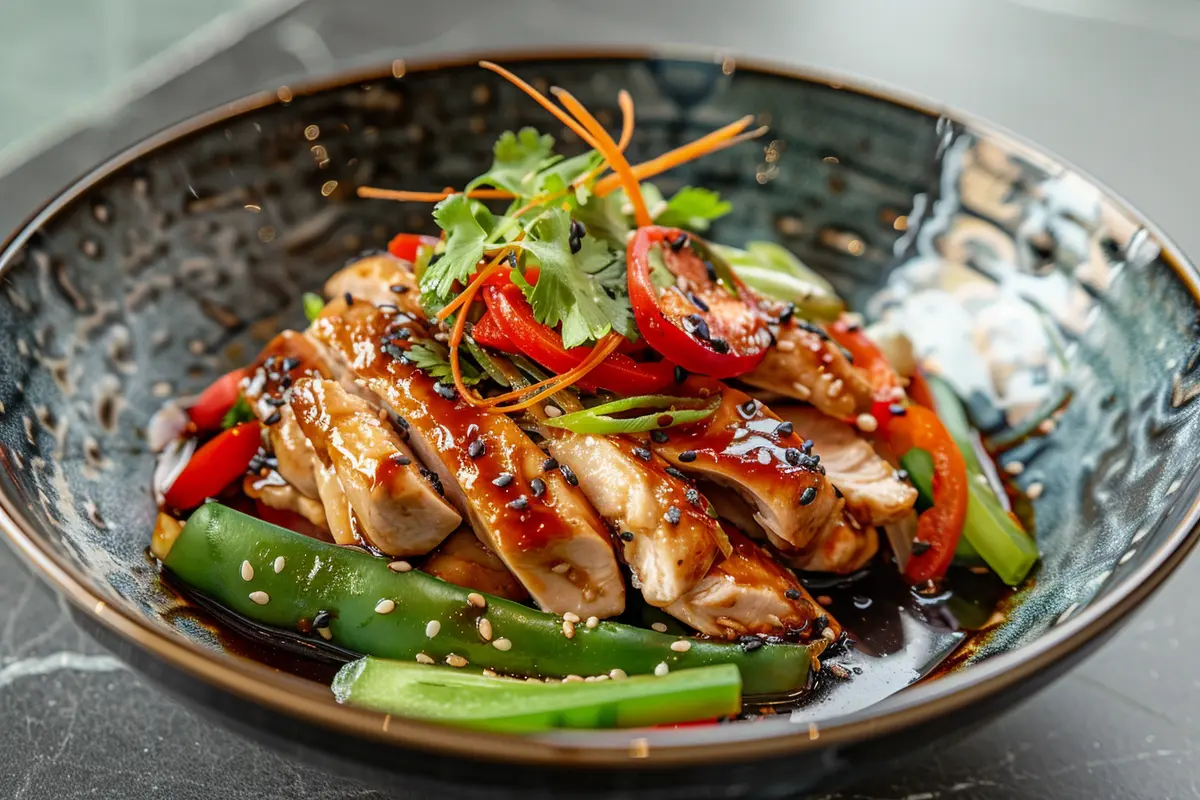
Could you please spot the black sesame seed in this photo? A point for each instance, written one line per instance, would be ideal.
(627, 536)
(692, 496)
(750, 643)
(678, 242)
(549, 464)
(520, 504)
(569, 474)
(642, 453)
(680, 374)
(401, 459)
(349, 298)
(538, 486)
(395, 352)
(897, 410)
(433, 478)
(786, 316)
(446, 390)
(711, 271)
(575, 244)
(578, 231)
(792, 594)
(697, 302)
(503, 479)
(807, 496)
(511, 258)
(274, 418)
(256, 463)
(399, 288)
(675, 473)
(749, 408)
(275, 401)
(695, 324)
(401, 421)
(919, 547)
(673, 515)
(807, 446)
(838, 493)
(820, 624)
(290, 364)
(784, 429)
(660, 437)
(476, 448)
(403, 334)
(285, 381)
(816, 330)
(720, 345)
(687, 456)
(792, 456)
(322, 619)
(436, 257)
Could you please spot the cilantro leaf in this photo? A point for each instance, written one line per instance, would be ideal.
(605, 219)
(577, 290)
(467, 224)
(433, 358)
(693, 208)
(240, 412)
(517, 160)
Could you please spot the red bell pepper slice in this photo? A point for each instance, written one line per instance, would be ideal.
(214, 402)
(406, 246)
(722, 336)
(617, 373)
(214, 466)
(941, 525)
(489, 334)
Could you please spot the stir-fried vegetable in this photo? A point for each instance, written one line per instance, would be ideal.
(775, 271)
(366, 605)
(515, 706)
(214, 466)
(210, 408)
(670, 411)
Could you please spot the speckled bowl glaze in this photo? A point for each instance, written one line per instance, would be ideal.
(178, 259)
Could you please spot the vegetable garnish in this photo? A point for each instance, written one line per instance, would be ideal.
(775, 272)
(459, 697)
(240, 412)
(669, 412)
(688, 312)
(342, 588)
(209, 410)
(214, 466)
(313, 305)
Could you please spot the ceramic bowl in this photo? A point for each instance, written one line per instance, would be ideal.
(176, 260)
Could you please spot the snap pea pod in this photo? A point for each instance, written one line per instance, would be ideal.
(373, 609)
(516, 706)
(776, 272)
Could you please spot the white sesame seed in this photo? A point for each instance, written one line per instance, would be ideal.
(1035, 490)
(247, 571)
(617, 674)
(400, 566)
(682, 646)
(432, 628)
(662, 669)
(829, 634)
(571, 616)
(477, 600)
(560, 568)
(802, 391)
(573, 679)
(552, 411)
(280, 563)
(485, 628)
(568, 629)
(1014, 468)
(262, 598)
(661, 627)
(866, 423)
(456, 661)
(785, 345)
(424, 659)
(592, 622)
(502, 644)
(490, 673)
(385, 606)
(764, 456)
(601, 678)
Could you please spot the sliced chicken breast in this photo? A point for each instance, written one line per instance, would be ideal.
(343, 526)
(744, 447)
(874, 495)
(397, 508)
(666, 535)
(380, 280)
(750, 593)
(843, 548)
(806, 365)
(535, 519)
(464, 561)
(274, 492)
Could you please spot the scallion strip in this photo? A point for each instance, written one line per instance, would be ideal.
(597, 420)
(313, 305)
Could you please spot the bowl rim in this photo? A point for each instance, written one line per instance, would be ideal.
(307, 700)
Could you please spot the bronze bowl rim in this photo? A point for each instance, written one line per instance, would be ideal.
(299, 698)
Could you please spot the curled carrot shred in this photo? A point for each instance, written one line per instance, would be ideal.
(543, 101)
(429, 197)
(604, 348)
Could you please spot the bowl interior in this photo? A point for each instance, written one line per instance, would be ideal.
(1027, 281)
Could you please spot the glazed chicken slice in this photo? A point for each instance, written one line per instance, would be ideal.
(841, 549)
(339, 517)
(534, 518)
(748, 593)
(745, 448)
(397, 509)
(464, 561)
(381, 280)
(666, 535)
(806, 365)
(874, 495)
(274, 492)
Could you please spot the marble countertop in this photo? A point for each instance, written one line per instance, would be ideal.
(1113, 92)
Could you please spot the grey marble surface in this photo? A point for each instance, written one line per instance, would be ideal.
(1113, 91)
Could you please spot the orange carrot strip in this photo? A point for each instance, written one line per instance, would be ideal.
(429, 197)
(608, 148)
(602, 351)
(464, 300)
(625, 102)
(541, 99)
